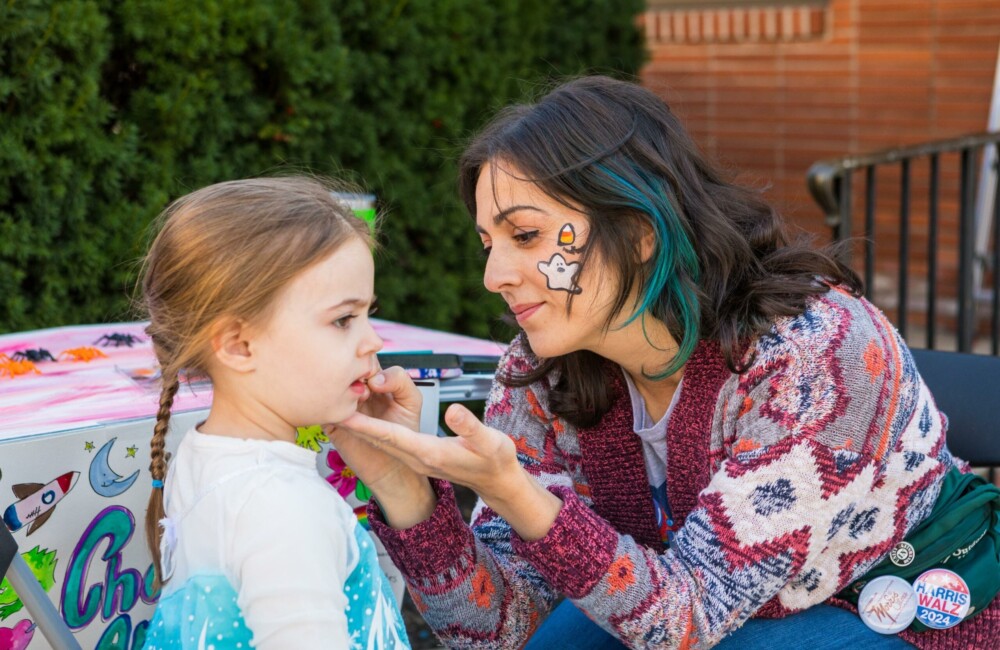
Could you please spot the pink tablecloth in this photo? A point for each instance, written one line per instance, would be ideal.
(105, 373)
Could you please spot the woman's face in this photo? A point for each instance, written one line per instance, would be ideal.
(534, 245)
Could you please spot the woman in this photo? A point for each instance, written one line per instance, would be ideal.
(699, 423)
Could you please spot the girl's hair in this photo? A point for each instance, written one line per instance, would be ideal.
(722, 269)
(225, 251)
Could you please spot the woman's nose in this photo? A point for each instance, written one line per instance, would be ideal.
(500, 272)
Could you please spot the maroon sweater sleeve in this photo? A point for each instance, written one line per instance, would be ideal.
(576, 552)
(431, 547)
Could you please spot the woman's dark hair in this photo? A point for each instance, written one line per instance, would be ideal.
(722, 269)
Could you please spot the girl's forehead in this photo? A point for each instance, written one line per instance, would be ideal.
(344, 271)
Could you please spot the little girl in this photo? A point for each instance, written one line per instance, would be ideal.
(263, 286)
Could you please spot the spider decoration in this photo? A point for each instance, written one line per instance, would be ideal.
(117, 339)
(82, 354)
(12, 367)
(35, 356)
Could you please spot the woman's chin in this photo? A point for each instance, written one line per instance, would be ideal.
(547, 347)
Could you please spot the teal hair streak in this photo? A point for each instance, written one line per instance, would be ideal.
(673, 252)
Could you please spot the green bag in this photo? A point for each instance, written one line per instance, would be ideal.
(961, 534)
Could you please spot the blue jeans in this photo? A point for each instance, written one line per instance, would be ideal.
(822, 627)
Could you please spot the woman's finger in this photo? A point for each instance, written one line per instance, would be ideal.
(389, 437)
(396, 382)
(466, 425)
(425, 454)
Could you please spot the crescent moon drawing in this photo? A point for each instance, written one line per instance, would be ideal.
(106, 481)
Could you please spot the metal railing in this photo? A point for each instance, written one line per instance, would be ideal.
(978, 253)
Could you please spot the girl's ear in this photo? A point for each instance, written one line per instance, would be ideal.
(231, 345)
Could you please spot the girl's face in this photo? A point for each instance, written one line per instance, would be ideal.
(319, 344)
(534, 246)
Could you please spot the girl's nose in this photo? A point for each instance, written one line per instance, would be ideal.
(372, 342)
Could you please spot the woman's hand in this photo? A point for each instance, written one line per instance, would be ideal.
(479, 457)
(393, 397)
(405, 496)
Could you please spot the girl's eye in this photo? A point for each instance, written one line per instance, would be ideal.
(344, 322)
(524, 237)
(373, 309)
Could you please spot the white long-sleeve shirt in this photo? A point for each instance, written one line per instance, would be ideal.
(258, 544)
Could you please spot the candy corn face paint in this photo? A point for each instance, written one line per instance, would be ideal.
(567, 235)
(567, 239)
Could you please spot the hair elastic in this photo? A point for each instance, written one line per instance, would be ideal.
(157, 483)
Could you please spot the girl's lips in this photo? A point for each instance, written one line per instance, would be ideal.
(525, 314)
(359, 387)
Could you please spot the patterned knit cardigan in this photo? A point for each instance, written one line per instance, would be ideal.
(791, 480)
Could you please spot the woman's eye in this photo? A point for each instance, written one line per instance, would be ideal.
(486, 251)
(523, 238)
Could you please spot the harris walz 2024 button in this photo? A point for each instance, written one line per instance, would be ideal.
(942, 598)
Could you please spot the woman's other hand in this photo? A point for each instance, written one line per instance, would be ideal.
(478, 457)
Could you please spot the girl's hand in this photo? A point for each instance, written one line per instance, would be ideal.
(479, 457)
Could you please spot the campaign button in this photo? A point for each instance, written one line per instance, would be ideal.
(887, 604)
(902, 554)
(942, 598)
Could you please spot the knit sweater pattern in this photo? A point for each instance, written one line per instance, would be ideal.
(789, 480)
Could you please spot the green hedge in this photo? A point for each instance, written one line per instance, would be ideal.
(109, 110)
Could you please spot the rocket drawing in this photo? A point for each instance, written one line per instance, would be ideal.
(37, 502)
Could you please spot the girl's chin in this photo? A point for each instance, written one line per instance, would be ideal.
(343, 413)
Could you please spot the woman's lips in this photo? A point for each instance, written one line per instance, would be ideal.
(524, 312)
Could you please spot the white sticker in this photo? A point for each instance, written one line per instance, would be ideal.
(887, 604)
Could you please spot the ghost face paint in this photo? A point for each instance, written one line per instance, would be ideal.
(534, 246)
(560, 275)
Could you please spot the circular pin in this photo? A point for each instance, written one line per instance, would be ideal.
(887, 604)
(902, 554)
(942, 598)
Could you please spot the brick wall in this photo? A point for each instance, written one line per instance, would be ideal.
(770, 90)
